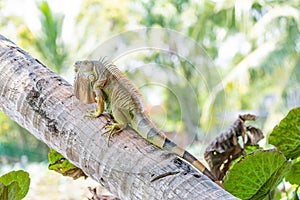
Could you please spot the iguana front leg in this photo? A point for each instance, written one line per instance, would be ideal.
(100, 105)
(98, 85)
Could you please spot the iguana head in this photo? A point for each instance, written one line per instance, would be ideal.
(85, 77)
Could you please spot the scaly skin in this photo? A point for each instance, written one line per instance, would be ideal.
(97, 81)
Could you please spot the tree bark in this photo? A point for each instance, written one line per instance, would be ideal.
(130, 167)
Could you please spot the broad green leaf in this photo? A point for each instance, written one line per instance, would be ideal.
(286, 135)
(54, 156)
(16, 181)
(294, 174)
(256, 174)
(10, 191)
(58, 162)
(61, 165)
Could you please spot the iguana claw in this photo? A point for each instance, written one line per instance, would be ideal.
(112, 129)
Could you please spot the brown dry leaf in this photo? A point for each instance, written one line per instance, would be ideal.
(226, 146)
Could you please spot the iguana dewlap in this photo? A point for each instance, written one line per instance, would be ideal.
(100, 82)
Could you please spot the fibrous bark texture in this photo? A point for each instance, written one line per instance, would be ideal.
(130, 167)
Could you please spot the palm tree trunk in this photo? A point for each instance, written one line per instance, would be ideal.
(130, 167)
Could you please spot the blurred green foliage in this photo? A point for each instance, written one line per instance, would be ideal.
(48, 42)
(16, 142)
(253, 45)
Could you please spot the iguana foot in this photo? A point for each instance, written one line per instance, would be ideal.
(98, 109)
(113, 129)
(93, 114)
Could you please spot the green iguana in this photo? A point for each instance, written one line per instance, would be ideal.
(98, 81)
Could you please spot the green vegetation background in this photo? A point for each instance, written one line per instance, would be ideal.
(254, 46)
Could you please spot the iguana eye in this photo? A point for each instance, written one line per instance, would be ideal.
(91, 77)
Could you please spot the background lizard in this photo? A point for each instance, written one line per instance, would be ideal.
(97, 81)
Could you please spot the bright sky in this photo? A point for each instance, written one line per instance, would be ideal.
(29, 12)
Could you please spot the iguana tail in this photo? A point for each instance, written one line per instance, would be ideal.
(146, 128)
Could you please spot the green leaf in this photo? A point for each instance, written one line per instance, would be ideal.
(58, 163)
(61, 165)
(286, 135)
(10, 191)
(14, 184)
(256, 174)
(294, 174)
(54, 156)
